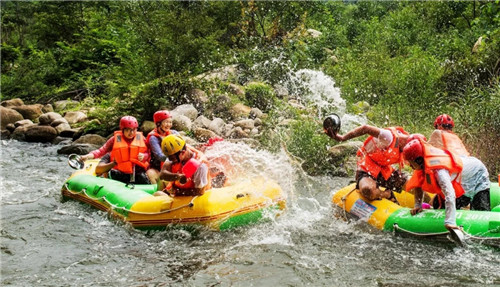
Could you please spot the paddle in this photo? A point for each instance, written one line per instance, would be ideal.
(457, 236)
(75, 161)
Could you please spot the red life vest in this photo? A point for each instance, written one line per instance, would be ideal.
(126, 153)
(375, 160)
(453, 143)
(189, 184)
(436, 158)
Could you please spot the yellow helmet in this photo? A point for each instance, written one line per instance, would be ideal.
(172, 144)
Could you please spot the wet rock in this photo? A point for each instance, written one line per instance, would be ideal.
(201, 122)
(23, 123)
(69, 133)
(75, 117)
(181, 122)
(203, 135)
(47, 108)
(188, 111)
(341, 151)
(238, 133)
(48, 118)
(146, 127)
(31, 112)
(223, 103)
(37, 133)
(59, 121)
(92, 139)
(245, 124)
(5, 134)
(217, 126)
(12, 103)
(77, 149)
(10, 127)
(62, 127)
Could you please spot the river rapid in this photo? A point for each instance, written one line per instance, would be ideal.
(47, 242)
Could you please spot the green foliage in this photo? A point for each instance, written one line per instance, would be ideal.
(260, 95)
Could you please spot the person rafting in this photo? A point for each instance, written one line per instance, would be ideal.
(125, 156)
(163, 122)
(186, 171)
(376, 156)
(475, 179)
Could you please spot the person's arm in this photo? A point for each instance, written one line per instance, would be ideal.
(167, 175)
(200, 180)
(444, 180)
(104, 165)
(98, 153)
(418, 195)
(156, 151)
(357, 132)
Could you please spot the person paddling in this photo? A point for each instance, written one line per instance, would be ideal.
(125, 155)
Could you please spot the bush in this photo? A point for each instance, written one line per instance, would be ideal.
(260, 95)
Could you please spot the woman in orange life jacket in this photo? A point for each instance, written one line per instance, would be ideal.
(125, 155)
(163, 122)
(173, 170)
(436, 171)
(379, 152)
(475, 176)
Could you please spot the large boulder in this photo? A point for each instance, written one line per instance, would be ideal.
(188, 111)
(340, 152)
(198, 97)
(47, 108)
(181, 122)
(23, 123)
(9, 116)
(77, 148)
(202, 135)
(36, 133)
(59, 121)
(91, 139)
(146, 127)
(75, 117)
(12, 103)
(245, 124)
(48, 118)
(217, 126)
(31, 112)
(60, 128)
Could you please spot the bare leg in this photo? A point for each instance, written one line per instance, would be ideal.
(153, 175)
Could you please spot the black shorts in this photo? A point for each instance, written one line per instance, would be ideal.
(395, 182)
(480, 201)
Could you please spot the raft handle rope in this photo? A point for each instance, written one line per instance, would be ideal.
(467, 235)
(112, 206)
(344, 199)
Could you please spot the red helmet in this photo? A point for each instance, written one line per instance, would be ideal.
(416, 136)
(159, 116)
(445, 121)
(413, 149)
(128, 122)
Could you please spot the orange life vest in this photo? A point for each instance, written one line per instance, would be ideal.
(374, 160)
(436, 158)
(453, 143)
(156, 134)
(189, 184)
(126, 154)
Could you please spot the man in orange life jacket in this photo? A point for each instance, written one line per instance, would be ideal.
(125, 155)
(163, 122)
(173, 171)
(475, 176)
(379, 152)
(436, 171)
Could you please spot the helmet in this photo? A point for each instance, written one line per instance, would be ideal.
(413, 149)
(332, 122)
(416, 136)
(445, 121)
(159, 116)
(128, 122)
(172, 144)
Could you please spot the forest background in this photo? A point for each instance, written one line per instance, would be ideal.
(409, 60)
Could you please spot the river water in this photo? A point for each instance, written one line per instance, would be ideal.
(47, 242)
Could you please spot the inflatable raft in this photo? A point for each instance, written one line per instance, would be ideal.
(218, 208)
(389, 216)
